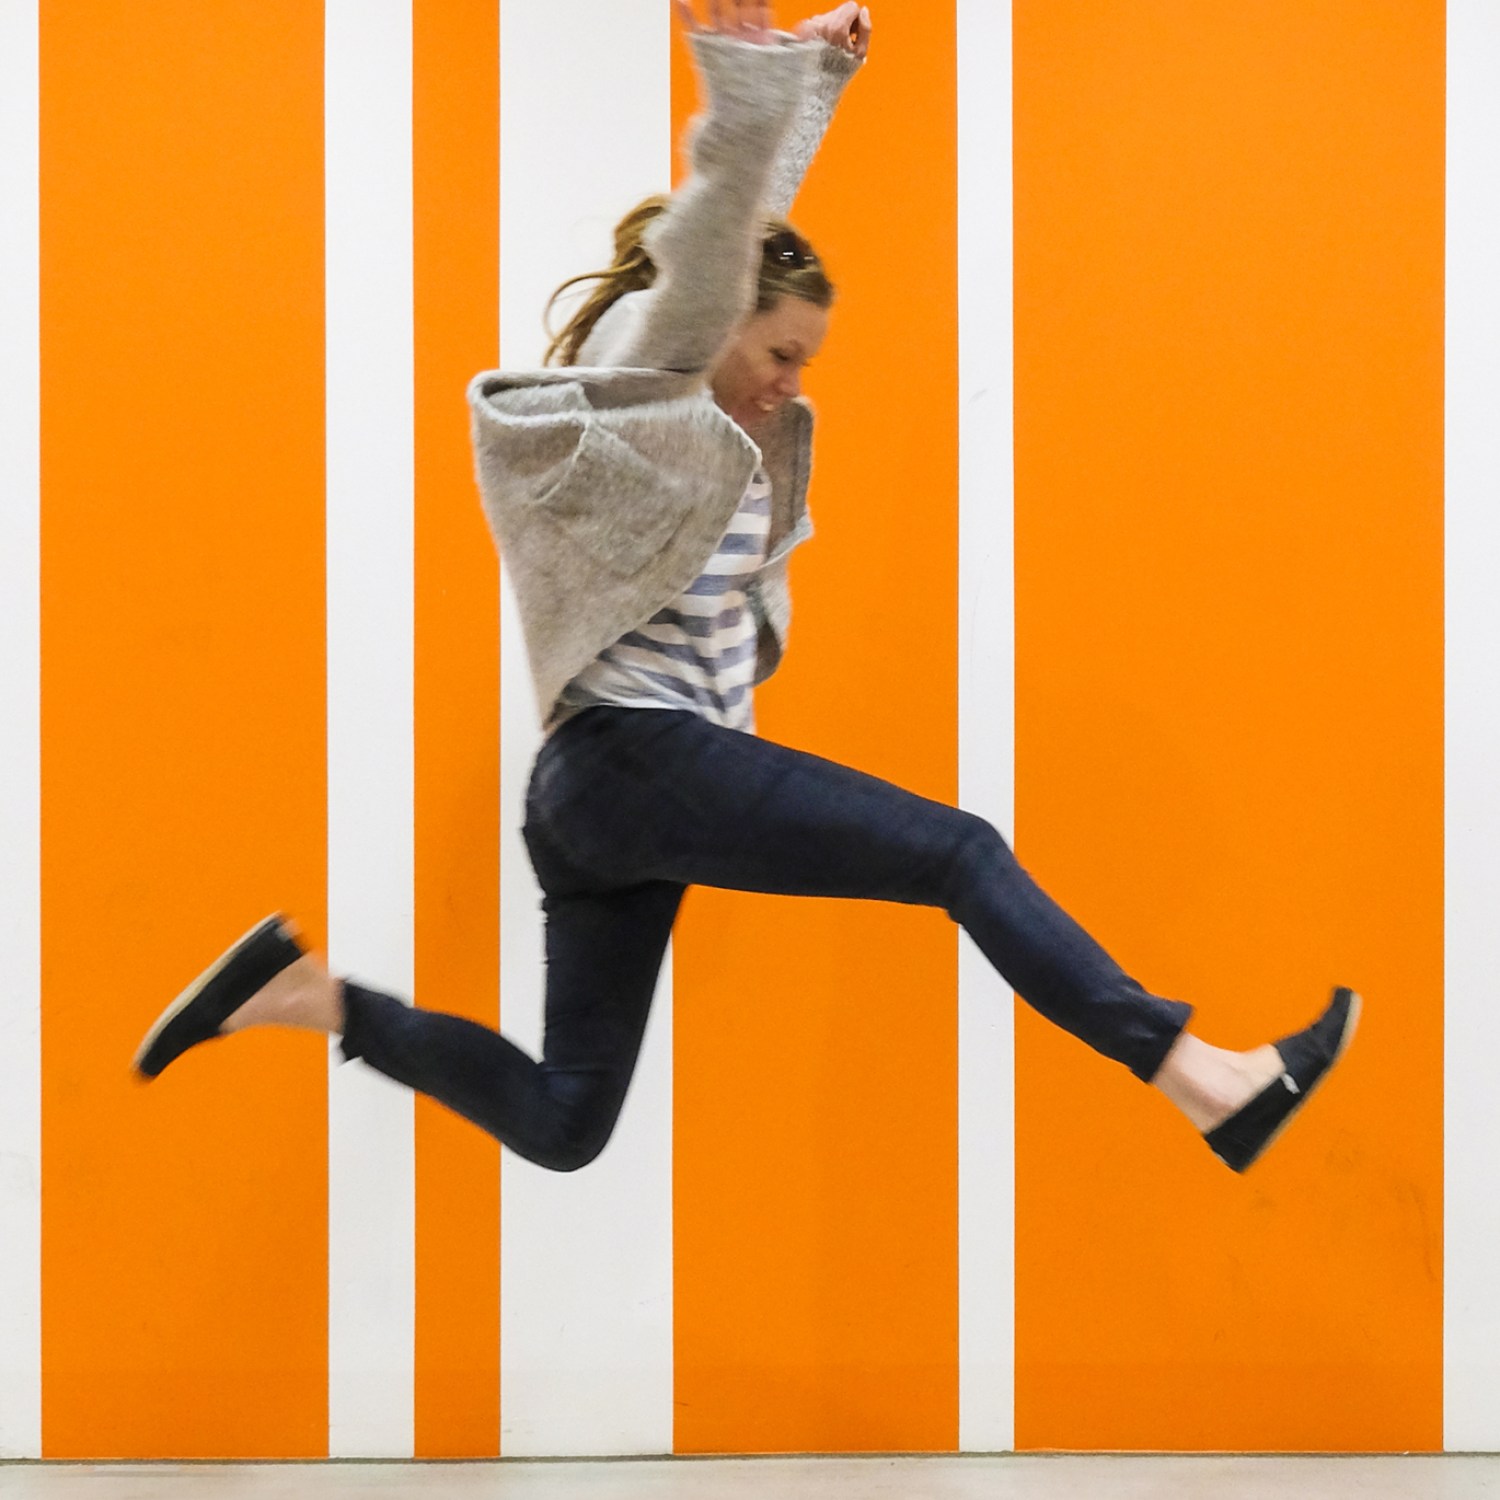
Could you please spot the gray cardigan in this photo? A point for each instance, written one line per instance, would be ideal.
(609, 484)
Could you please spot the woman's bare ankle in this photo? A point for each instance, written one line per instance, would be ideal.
(1208, 1084)
(304, 995)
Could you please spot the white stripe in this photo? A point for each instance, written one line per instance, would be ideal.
(709, 606)
(1471, 1358)
(986, 711)
(739, 675)
(705, 645)
(371, 1203)
(20, 748)
(586, 1258)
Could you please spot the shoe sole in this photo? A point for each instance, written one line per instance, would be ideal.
(197, 987)
(1356, 1004)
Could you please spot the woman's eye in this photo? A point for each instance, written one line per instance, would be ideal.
(781, 357)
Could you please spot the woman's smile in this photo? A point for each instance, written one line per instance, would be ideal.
(761, 369)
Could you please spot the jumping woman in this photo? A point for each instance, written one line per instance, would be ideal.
(647, 490)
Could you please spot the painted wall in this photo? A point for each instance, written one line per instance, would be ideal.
(1155, 496)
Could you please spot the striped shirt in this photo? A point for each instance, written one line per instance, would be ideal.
(698, 652)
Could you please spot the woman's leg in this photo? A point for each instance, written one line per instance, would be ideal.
(603, 950)
(669, 795)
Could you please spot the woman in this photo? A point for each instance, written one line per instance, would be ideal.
(646, 496)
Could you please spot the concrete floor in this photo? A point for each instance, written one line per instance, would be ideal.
(1030, 1477)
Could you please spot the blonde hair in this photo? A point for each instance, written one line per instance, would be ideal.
(788, 268)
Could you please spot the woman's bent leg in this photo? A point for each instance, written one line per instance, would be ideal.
(604, 951)
(671, 795)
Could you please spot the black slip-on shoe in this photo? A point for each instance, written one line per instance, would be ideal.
(1306, 1057)
(203, 1007)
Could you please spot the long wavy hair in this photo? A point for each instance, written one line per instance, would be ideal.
(789, 267)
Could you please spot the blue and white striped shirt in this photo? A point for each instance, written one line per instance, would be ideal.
(698, 652)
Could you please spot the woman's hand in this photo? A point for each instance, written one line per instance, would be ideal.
(744, 20)
(847, 28)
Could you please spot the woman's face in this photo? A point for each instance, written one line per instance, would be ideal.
(761, 370)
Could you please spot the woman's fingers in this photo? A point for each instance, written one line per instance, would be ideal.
(753, 18)
(750, 20)
(847, 27)
(854, 27)
(834, 26)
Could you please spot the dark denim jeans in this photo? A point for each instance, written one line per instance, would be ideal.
(628, 807)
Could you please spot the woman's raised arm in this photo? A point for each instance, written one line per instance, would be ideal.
(705, 246)
(845, 33)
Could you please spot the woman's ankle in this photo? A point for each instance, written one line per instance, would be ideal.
(304, 996)
(1208, 1084)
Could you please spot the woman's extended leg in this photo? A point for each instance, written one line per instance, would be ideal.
(672, 796)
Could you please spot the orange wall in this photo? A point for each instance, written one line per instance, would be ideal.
(184, 1232)
(1229, 431)
(455, 138)
(815, 1164)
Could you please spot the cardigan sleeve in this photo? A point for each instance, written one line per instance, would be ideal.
(705, 244)
(833, 70)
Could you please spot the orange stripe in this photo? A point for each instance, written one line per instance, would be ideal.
(1229, 263)
(816, 1165)
(456, 149)
(185, 1254)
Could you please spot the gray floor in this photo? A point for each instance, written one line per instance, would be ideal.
(1009, 1478)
